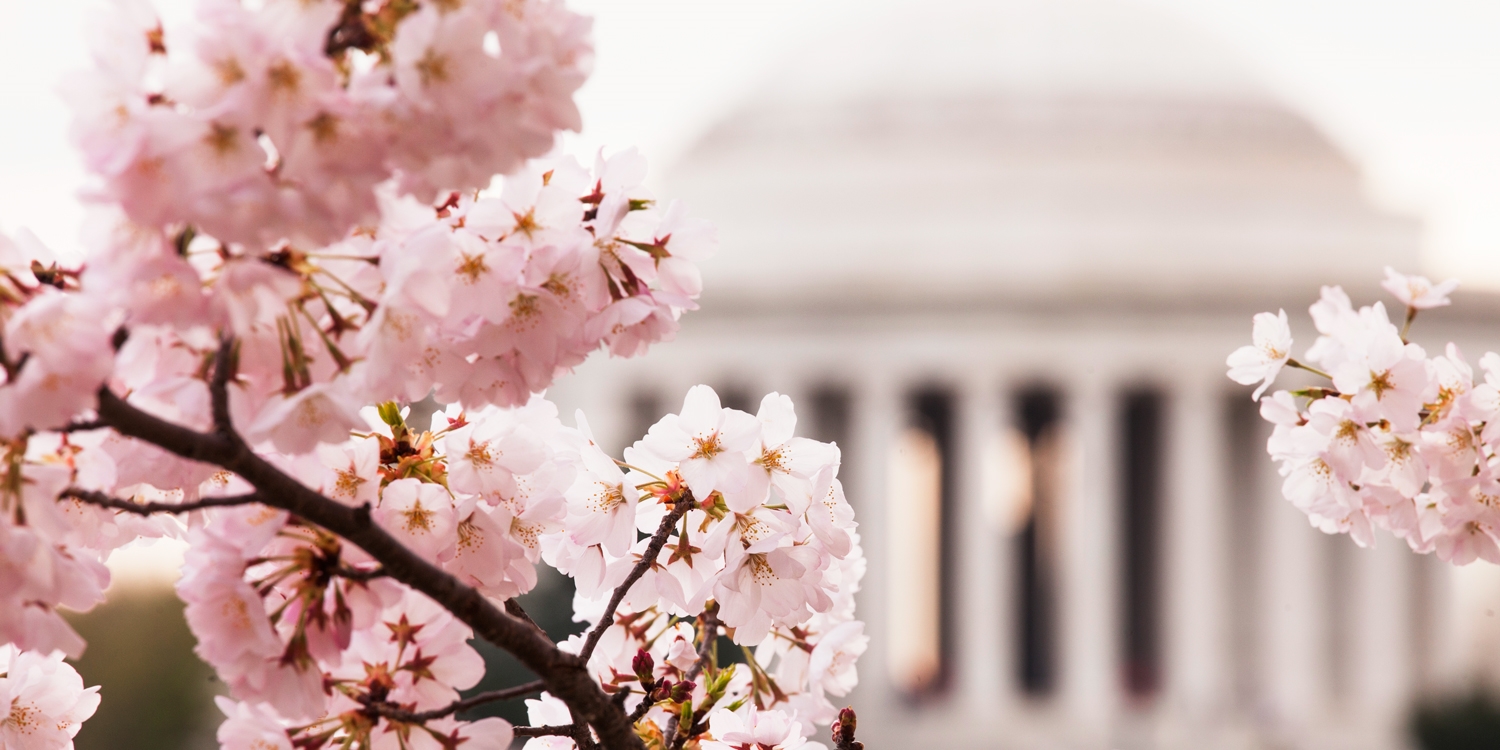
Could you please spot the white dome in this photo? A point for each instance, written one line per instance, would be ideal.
(1017, 152)
(1042, 47)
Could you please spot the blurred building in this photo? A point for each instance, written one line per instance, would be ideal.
(999, 252)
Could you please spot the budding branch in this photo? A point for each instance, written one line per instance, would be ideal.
(562, 674)
(102, 500)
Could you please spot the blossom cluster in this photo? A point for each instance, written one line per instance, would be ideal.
(756, 542)
(1392, 438)
(769, 552)
(43, 703)
(768, 557)
(305, 207)
(276, 121)
(484, 299)
(305, 177)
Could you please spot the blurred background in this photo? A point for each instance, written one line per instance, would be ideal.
(998, 251)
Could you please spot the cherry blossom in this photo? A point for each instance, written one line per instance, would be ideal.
(1416, 292)
(1395, 439)
(709, 444)
(43, 699)
(762, 730)
(307, 216)
(417, 513)
(602, 501)
(1264, 359)
(250, 727)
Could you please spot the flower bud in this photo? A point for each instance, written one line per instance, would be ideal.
(843, 730)
(718, 684)
(390, 413)
(644, 666)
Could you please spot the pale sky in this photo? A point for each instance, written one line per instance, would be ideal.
(1410, 88)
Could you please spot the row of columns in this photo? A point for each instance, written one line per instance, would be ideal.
(1292, 689)
(1247, 608)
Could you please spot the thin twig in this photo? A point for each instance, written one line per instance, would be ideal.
(92, 424)
(710, 619)
(710, 634)
(394, 713)
(669, 737)
(553, 730)
(658, 540)
(641, 708)
(218, 390)
(1292, 362)
(578, 731)
(145, 509)
(514, 609)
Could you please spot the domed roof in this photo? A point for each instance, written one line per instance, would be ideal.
(1043, 47)
(1024, 152)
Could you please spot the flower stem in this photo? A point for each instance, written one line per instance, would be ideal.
(1313, 370)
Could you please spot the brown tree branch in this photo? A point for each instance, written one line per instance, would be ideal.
(648, 558)
(564, 675)
(709, 629)
(642, 708)
(514, 609)
(555, 730)
(578, 731)
(84, 426)
(395, 713)
(145, 509)
(225, 364)
(355, 574)
(710, 621)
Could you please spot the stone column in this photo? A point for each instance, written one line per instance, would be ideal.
(982, 653)
(877, 414)
(1089, 592)
(1381, 666)
(1195, 560)
(1294, 659)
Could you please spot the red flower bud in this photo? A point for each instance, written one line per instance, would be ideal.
(843, 730)
(644, 666)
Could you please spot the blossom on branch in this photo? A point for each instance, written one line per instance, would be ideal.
(1395, 440)
(307, 215)
(1262, 361)
(1416, 292)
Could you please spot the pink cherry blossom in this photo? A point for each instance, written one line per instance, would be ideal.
(419, 514)
(353, 471)
(752, 728)
(709, 444)
(250, 727)
(548, 711)
(290, 202)
(601, 502)
(485, 456)
(321, 413)
(43, 699)
(1263, 360)
(1416, 292)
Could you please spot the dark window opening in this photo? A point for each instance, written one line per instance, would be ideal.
(921, 558)
(1039, 419)
(1247, 465)
(738, 397)
(1141, 475)
(827, 416)
(646, 409)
